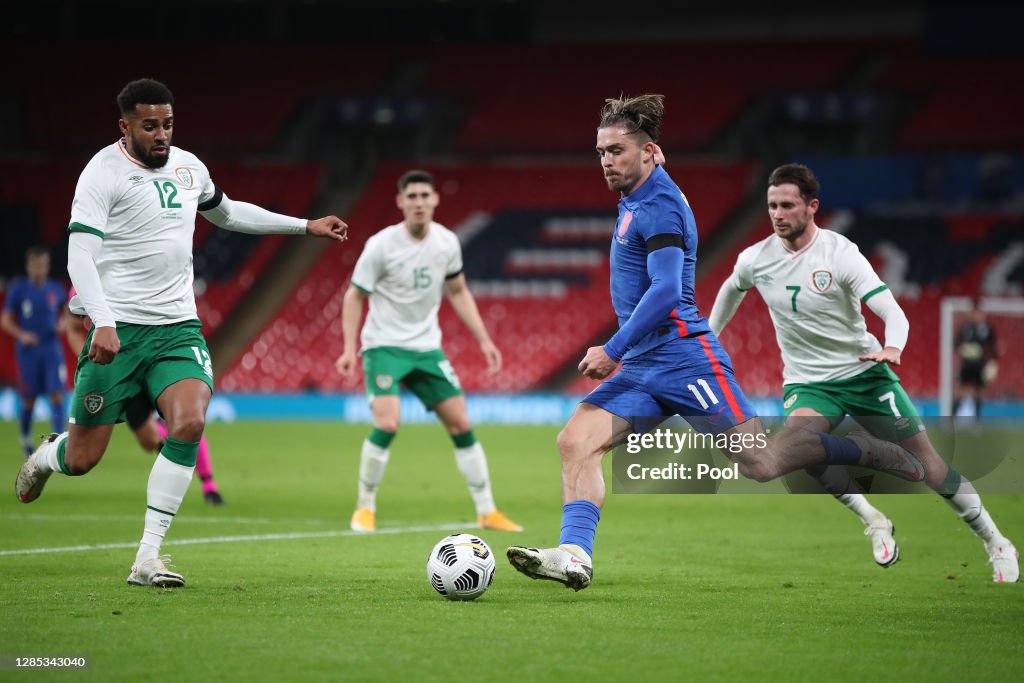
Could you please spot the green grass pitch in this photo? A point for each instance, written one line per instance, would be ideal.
(701, 588)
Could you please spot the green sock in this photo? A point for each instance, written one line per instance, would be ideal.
(380, 438)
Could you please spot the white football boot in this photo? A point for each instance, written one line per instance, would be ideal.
(1004, 560)
(888, 457)
(552, 564)
(32, 477)
(154, 572)
(883, 545)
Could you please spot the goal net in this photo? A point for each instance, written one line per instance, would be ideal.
(1006, 316)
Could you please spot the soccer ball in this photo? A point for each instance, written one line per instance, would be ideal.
(461, 567)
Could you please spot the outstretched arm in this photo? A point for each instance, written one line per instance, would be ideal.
(465, 305)
(726, 304)
(255, 220)
(897, 328)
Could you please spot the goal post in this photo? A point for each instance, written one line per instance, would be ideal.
(952, 314)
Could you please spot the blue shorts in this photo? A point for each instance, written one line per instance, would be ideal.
(691, 377)
(41, 369)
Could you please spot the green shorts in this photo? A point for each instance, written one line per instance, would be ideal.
(874, 398)
(428, 374)
(152, 357)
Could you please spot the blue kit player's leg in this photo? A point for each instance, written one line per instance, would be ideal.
(603, 419)
(54, 382)
(29, 382)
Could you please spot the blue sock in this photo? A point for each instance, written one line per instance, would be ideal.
(57, 410)
(579, 524)
(25, 423)
(840, 450)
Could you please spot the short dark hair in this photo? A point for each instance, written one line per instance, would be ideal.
(415, 176)
(799, 175)
(37, 250)
(640, 114)
(143, 91)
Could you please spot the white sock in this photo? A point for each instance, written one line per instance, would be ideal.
(46, 456)
(837, 481)
(372, 463)
(168, 483)
(858, 504)
(967, 505)
(472, 463)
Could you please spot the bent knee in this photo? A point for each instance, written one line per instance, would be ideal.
(760, 468)
(77, 463)
(571, 444)
(457, 427)
(188, 429)
(386, 425)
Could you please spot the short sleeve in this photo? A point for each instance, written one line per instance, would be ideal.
(91, 206)
(12, 296)
(455, 264)
(209, 194)
(857, 275)
(664, 217)
(742, 277)
(368, 267)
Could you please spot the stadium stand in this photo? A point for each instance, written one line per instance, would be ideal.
(499, 108)
(535, 256)
(953, 91)
(937, 212)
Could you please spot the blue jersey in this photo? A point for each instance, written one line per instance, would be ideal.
(36, 308)
(654, 214)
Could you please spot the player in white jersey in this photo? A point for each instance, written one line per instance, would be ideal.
(814, 282)
(130, 259)
(403, 270)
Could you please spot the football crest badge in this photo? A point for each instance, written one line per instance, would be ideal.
(93, 403)
(184, 175)
(822, 280)
(627, 218)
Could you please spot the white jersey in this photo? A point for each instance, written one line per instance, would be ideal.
(146, 218)
(814, 297)
(404, 278)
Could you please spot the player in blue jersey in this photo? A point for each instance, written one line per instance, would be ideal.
(33, 315)
(671, 361)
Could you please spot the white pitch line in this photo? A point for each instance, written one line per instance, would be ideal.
(28, 517)
(450, 526)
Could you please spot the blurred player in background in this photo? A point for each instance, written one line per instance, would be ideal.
(150, 432)
(671, 361)
(403, 270)
(33, 315)
(130, 259)
(814, 282)
(976, 346)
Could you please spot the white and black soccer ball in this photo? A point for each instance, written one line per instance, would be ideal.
(461, 567)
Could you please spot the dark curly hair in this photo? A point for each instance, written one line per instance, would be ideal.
(143, 91)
